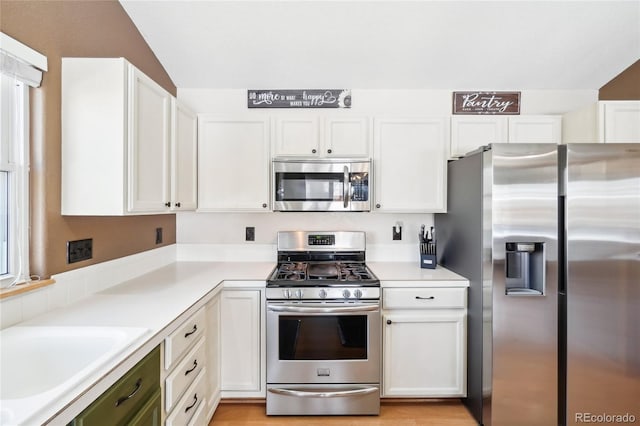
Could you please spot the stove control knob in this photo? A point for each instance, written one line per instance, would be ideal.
(322, 293)
(286, 293)
(357, 293)
(346, 294)
(298, 294)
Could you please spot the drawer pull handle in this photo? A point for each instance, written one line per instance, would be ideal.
(425, 298)
(195, 401)
(195, 365)
(135, 391)
(195, 328)
(388, 322)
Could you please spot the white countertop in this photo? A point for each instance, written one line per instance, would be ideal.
(410, 274)
(152, 301)
(174, 292)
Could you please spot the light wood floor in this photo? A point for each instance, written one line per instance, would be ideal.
(429, 413)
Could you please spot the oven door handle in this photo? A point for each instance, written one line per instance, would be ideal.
(338, 394)
(336, 310)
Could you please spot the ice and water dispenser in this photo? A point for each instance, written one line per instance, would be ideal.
(525, 269)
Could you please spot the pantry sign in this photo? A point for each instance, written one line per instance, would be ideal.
(492, 103)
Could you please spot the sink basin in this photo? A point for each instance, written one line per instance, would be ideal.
(41, 364)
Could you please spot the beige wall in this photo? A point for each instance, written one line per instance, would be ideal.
(624, 87)
(76, 28)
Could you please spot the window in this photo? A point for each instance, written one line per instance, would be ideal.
(14, 181)
(20, 67)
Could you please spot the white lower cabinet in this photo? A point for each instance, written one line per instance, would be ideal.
(189, 404)
(243, 346)
(424, 342)
(185, 369)
(213, 339)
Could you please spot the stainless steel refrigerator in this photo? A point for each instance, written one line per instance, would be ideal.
(549, 237)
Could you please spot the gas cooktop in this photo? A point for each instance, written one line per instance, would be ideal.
(322, 265)
(322, 273)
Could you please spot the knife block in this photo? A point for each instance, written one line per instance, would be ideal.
(428, 261)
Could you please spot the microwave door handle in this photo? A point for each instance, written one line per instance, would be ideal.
(346, 187)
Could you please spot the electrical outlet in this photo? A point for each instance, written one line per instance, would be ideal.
(158, 235)
(250, 233)
(79, 250)
(397, 233)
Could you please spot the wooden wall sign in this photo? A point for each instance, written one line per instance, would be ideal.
(498, 103)
(299, 98)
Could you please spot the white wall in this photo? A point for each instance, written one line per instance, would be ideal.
(387, 102)
(226, 230)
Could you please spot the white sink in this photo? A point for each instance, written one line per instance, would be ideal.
(39, 365)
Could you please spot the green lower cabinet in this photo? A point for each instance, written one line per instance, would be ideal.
(150, 413)
(132, 400)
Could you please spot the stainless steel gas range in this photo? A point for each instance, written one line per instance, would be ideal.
(323, 327)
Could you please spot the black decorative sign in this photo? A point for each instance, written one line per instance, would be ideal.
(496, 103)
(299, 98)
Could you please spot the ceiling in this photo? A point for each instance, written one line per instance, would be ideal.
(356, 44)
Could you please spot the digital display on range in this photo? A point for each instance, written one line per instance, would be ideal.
(321, 240)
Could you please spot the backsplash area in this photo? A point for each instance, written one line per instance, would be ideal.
(74, 285)
(218, 237)
(221, 236)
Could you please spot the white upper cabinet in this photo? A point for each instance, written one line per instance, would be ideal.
(535, 129)
(184, 158)
(603, 122)
(314, 136)
(233, 163)
(115, 139)
(296, 136)
(410, 156)
(469, 132)
(619, 121)
(346, 137)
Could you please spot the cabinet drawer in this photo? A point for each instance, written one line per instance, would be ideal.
(188, 404)
(127, 396)
(424, 298)
(180, 340)
(200, 416)
(184, 374)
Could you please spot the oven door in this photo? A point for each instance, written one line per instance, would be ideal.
(320, 185)
(323, 342)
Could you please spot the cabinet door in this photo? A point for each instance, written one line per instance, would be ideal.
(436, 364)
(213, 354)
(184, 157)
(535, 129)
(346, 137)
(471, 132)
(620, 122)
(296, 136)
(410, 158)
(148, 145)
(233, 164)
(241, 340)
(149, 415)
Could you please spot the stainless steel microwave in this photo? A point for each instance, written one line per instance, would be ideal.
(321, 185)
